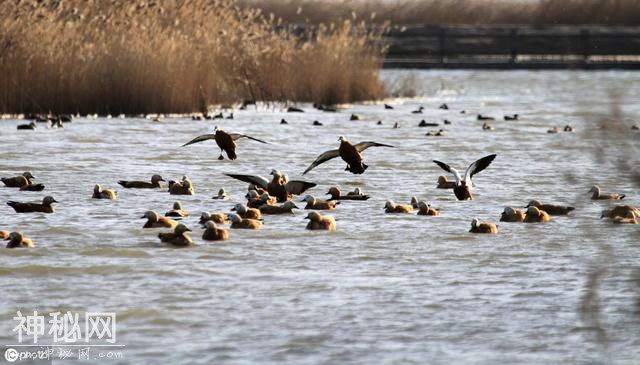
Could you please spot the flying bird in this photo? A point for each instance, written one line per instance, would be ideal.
(279, 186)
(463, 187)
(351, 154)
(226, 141)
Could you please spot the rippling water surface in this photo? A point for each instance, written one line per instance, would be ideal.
(383, 288)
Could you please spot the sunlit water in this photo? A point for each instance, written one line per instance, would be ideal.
(382, 289)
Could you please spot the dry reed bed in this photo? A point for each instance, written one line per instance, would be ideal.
(107, 56)
(471, 12)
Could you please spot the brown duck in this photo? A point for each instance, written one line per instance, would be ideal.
(351, 154)
(213, 233)
(184, 187)
(44, 207)
(535, 215)
(247, 213)
(17, 239)
(598, 195)
(550, 208)
(318, 221)
(240, 223)
(425, 209)
(512, 215)
(225, 141)
(313, 203)
(627, 211)
(18, 181)
(156, 221)
(444, 183)
(100, 193)
(178, 237)
(32, 187)
(177, 211)
(463, 187)
(286, 208)
(154, 184)
(391, 207)
(4, 235)
(279, 186)
(483, 227)
(219, 218)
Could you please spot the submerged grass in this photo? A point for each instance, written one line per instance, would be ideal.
(107, 56)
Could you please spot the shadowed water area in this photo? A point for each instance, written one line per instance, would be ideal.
(383, 288)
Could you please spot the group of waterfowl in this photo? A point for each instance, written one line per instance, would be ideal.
(274, 196)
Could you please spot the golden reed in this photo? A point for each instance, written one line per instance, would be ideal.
(180, 56)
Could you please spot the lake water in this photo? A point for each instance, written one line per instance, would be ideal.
(383, 289)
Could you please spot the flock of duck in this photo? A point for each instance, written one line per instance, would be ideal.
(275, 196)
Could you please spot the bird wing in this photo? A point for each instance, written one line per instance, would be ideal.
(364, 145)
(297, 187)
(478, 166)
(251, 179)
(326, 156)
(201, 138)
(449, 169)
(237, 136)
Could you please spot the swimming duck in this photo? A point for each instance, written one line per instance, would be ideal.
(568, 128)
(18, 181)
(391, 207)
(423, 123)
(387, 106)
(44, 207)
(156, 221)
(178, 237)
(219, 218)
(317, 124)
(396, 125)
(222, 195)
(253, 199)
(177, 211)
(313, 203)
(351, 154)
(247, 213)
(626, 211)
(286, 208)
(447, 122)
(425, 209)
(184, 187)
(238, 222)
(155, 183)
(511, 117)
(100, 193)
(4, 234)
(336, 194)
(30, 126)
(635, 127)
(625, 220)
(512, 215)
(318, 221)
(17, 239)
(550, 208)
(225, 141)
(292, 109)
(213, 233)
(267, 199)
(444, 106)
(283, 121)
(487, 127)
(483, 117)
(553, 130)
(279, 186)
(463, 187)
(444, 183)
(434, 133)
(598, 195)
(483, 227)
(535, 215)
(418, 111)
(32, 187)
(355, 117)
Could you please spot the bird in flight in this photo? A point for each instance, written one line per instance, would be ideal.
(226, 141)
(351, 154)
(463, 187)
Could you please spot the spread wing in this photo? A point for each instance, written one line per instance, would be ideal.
(364, 145)
(201, 138)
(237, 136)
(297, 187)
(251, 179)
(322, 159)
(449, 169)
(478, 166)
